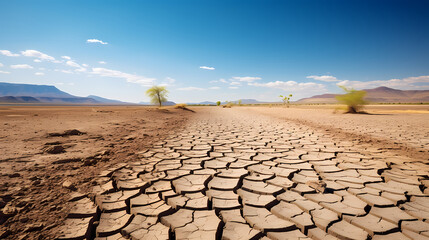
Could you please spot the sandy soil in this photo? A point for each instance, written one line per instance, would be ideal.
(31, 179)
(404, 128)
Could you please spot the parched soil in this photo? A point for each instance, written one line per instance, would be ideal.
(46, 153)
(241, 173)
(400, 128)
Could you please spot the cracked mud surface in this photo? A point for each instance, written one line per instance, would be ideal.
(231, 174)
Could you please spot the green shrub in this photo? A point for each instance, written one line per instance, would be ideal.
(354, 99)
(286, 99)
(218, 103)
(157, 94)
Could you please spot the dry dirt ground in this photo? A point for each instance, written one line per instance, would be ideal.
(241, 173)
(38, 168)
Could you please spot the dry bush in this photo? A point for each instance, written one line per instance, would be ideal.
(354, 100)
(181, 106)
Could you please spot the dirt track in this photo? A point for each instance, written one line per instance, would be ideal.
(234, 174)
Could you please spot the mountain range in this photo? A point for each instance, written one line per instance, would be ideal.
(30, 93)
(377, 95)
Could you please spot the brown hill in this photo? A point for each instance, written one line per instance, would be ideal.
(378, 95)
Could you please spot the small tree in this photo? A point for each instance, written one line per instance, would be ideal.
(353, 99)
(239, 102)
(157, 94)
(286, 99)
(218, 103)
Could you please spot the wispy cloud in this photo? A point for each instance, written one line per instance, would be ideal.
(132, 78)
(235, 83)
(214, 88)
(1, 65)
(21, 66)
(76, 65)
(168, 81)
(39, 74)
(246, 79)
(37, 60)
(223, 80)
(4, 72)
(404, 83)
(66, 57)
(95, 41)
(292, 86)
(232, 87)
(191, 89)
(37, 54)
(8, 53)
(102, 62)
(207, 68)
(63, 71)
(324, 78)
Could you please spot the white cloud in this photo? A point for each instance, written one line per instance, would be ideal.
(85, 65)
(102, 62)
(43, 69)
(37, 54)
(191, 89)
(104, 72)
(207, 68)
(73, 64)
(233, 87)
(223, 80)
(170, 80)
(37, 60)
(76, 65)
(21, 66)
(246, 79)
(63, 71)
(8, 53)
(39, 74)
(96, 41)
(235, 83)
(66, 57)
(214, 88)
(4, 72)
(404, 83)
(324, 78)
(1, 65)
(292, 86)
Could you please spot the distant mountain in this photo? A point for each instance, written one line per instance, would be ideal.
(105, 100)
(12, 99)
(31, 93)
(243, 101)
(202, 103)
(377, 95)
(15, 89)
(249, 101)
(168, 103)
(57, 100)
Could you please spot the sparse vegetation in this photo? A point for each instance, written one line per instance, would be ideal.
(157, 94)
(239, 102)
(354, 99)
(218, 103)
(286, 99)
(180, 105)
(228, 104)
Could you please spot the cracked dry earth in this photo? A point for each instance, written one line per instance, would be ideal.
(231, 174)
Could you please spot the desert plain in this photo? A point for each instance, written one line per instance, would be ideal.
(246, 172)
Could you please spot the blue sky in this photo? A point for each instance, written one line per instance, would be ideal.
(214, 50)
